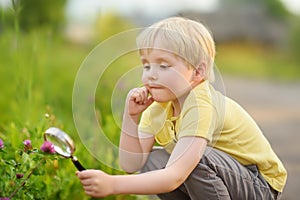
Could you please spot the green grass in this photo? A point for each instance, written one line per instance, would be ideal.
(257, 61)
(37, 74)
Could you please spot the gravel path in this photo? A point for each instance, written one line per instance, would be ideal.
(276, 108)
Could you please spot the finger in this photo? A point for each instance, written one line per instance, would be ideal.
(133, 91)
(80, 175)
(85, 174)
(149, 101)
(88, 188)
(86, 182)
(89, 193)
(145, 94)
(137, 96)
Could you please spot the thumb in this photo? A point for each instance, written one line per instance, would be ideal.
(81, 174)
(77, 174)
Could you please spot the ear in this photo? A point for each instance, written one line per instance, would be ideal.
(199, 73)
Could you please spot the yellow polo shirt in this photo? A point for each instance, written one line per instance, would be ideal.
(227, 126)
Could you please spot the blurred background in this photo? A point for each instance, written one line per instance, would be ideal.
(43, 44)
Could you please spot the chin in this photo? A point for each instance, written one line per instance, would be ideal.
(162, 96)
(159, 99)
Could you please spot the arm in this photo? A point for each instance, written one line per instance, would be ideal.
(183, 160)
(134, 147)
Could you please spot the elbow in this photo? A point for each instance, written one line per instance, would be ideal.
(171, 187)
(130, 162)
(175, 180)
(176, 184)
(129, 167)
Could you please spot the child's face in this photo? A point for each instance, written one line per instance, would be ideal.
(166, 76)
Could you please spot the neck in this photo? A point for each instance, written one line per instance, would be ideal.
(177, 104)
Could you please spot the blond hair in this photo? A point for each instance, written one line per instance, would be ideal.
(187, 38)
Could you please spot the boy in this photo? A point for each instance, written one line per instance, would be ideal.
(212, 148)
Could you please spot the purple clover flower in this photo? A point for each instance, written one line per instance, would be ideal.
(19, 175)
(48, 147)
(1, 146)
(27, 146)
(27, 143)
(4, 198)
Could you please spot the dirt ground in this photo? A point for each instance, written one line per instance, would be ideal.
(276, 108)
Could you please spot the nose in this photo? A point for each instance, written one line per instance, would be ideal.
(152, 74)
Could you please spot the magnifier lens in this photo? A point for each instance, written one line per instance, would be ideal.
(60, 147)
(63, 144)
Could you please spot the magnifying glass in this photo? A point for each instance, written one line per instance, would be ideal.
(63, 144)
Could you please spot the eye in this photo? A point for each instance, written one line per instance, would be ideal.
(146, 67)
(164, 66)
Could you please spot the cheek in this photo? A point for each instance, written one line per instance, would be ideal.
(144, 78)
(176, 85)
(177, 80)
(171, 79)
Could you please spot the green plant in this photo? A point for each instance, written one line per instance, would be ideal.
(23, 165)
(28, 167)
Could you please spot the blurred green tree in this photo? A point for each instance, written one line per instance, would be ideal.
(294, 37)
(37, 13)
(109, 24)
(276, 8)
(30, 14)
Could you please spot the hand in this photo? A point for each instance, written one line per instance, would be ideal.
(138, 100)
(96, 183)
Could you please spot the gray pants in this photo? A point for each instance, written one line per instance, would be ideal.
(217, 176)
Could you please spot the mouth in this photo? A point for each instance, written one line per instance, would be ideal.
(154, 87)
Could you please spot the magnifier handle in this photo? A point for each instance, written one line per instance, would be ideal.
(77, 164)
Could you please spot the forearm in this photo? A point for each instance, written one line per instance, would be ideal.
(154, 182)
(129, 139)
(130, 149)
(131, 156)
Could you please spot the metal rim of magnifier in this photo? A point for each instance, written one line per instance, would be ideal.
(63, 137)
